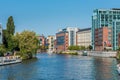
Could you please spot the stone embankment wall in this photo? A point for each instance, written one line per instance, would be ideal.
(102, 53)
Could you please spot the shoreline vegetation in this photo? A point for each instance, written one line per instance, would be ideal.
(24, 44)
(69, 52)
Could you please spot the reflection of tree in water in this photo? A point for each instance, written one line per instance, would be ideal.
(105, 69)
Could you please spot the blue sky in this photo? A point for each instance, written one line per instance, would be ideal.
(47, 16)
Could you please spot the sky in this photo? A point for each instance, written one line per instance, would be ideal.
(47, 16)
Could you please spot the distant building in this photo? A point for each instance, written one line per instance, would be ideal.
(62, 41)
(42, 40)
(1, 35)
(72, 35)
(101, 38)
(65, 38)
(84, 37)
(50, 42)
(106, 18)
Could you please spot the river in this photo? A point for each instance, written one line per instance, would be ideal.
(61, 67)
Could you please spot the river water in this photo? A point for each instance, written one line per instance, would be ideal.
(61, 67)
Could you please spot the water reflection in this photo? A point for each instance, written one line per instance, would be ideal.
(61, 67)
(105, 69)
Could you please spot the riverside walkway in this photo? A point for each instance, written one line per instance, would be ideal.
(99, 53)
(102, 53)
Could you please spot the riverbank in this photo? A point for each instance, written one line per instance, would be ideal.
(102, 53)
(91, 53)
(69, 52)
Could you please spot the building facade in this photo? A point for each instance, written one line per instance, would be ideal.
(65, 38)
(62, 41)
(84, 37)
(42, 40)
(50, 42)
(101, 39)
(1, 35)
(72, 35)
(105, 18)
(115, 34)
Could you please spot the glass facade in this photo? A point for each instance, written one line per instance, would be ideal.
(104, 18)
(60, 40)
(71, 37)
(115, 31)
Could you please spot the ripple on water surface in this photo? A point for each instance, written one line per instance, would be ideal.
(61, 67)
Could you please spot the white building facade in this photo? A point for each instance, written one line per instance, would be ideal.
(50, 42)
(84, 37)
(72, 35)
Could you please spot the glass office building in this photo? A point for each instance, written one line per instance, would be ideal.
(105, 18)
(115, 32)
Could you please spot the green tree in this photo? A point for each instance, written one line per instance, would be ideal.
(2, 50)
(73, 47)
(8, 34)
(90, 47)
(10, 26)
(13, 43)
(82, 48)
(28, 44)
(5, 38)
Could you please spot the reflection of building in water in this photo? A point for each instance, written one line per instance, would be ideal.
(105, 69)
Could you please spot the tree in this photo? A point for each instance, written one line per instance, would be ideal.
(13, 43)
(28, 44)
(73, 48)
(10, 26)
(2, 50)
(82, 48)
(8, 34)
(90, 47)
(5, 36)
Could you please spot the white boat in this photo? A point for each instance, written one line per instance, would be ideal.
(118, 68)
(9, 60)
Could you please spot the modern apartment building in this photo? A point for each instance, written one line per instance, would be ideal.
(115, 34)
(105, 18)
(66, 37)
(62, 41)
(50, 42)
(84, 37)
(1, 35)
(101, 39)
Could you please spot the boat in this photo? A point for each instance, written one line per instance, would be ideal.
(118, 68)
(9, 60)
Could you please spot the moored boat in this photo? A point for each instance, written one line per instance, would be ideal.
(9, 60)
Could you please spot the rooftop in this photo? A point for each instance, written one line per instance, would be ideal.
(86, 29)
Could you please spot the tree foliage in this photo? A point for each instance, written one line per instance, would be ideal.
(73, 47)
(77, 48)
(8, 34)
(90, 47)
(28, 43)
(2, 50)
(10, 26)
